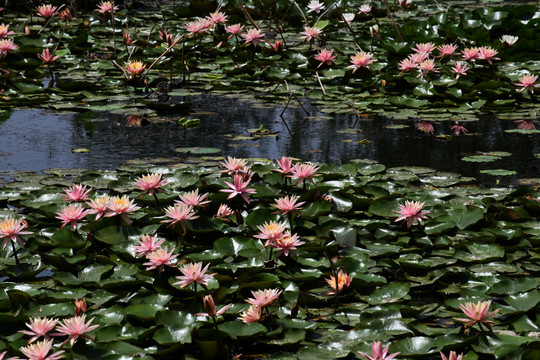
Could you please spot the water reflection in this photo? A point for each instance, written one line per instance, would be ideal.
(38, 139)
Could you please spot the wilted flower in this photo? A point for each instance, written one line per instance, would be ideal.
(193, 198)
(159, 258)
(46, 11)
(11, 229)
(425, 127)
(77, 192)
(193, 272)
(40, 351)
(253, 36)
(151, 183)
(179, 214)
(251, 315)
(343, 282)
(453, 356)
(75, 327)
(458, 128)
(410, 211)
(71, 214)
(106, 7)
(378, 353)
(147, 245)
(325, 57)
(262, 298)
(315, 6)
(527, 81)
(210, 307)
(361, 59)
(39, 327)
(240, 187)
(477, 313)
(122, 206)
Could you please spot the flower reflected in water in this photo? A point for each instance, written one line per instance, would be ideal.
(527, 124)
(425, 127)
(458, 128)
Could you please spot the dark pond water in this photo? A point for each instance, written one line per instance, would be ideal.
(39, 139)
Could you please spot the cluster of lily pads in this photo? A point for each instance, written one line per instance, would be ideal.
(373, 57)
(286, 260)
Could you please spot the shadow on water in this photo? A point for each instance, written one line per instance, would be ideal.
(35, 140)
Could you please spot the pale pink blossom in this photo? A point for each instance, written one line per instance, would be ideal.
(271, 231)
(233, 165)
(7, 46)
(287, 244)
(2, 355)
(11, 229)
(71, 214)
(424, 48)
(47, 58)
(40, 351)
(304, 172)
(253, 36)
(315, 6)
(325, 57)
(470, 54)
(159, 258)
(407, 64)
(193, 198)
(477, 313)
(147, 245)
(285, 165)
(151, 183)
(4, 31)
(411, 211)
(75, 327)
(460, 68)
(361, 59)
(263, 298)
(310, 33)
(224, 211)
(122, 206)
(378, 353)
(234, 30)
(509, 39)
(239, 187)
(348, 17)
(365, 8)
(193, 272)
(453, 356)
(46, 11)
(447, 50)
(179, 214)
(487, 53)
(217, 17)
(427, 66)
(99, 206)
(287, 204)
(77, 192)
(39, 327)
(251, 315)
(107, 7)
(527, 81)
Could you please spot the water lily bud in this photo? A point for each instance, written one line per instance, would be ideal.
(26, 30)
(210, 306)
(374, 31)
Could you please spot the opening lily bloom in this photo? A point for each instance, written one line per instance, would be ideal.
(71, 214)
(378, 353)
(46, 11)
(193, 272)
(325, 57)
(365, 8)
(285, 166)
(407, 64)
(234, 166)
(75, 327)
(40, 351)
(348, 17)
(39, 327)
(4, 31)
(304, 172)
(234, 30)
(453, 356)
(179, 214)
(424, 48)
(487, 53)
(470, 54)
(77, 192)
(98, 206)
(66, 15)
(251, 315)
(253, 36)
(240, 187)
(411, 211)
(193, 198)
(47, 58)
(343, 282)
(134, 68)
(7, 46)
(361, 59)
(509, 39)
(458, 128)
(224, 211)
(151, 183)
(287, 244)
(447, 50)
(217, 17)
(126, 37)
(11, 229)
(427, 66)
(263, 298)
(460, 68)
(527, 81)
(210, 307)
(287, 204)
(159, 258)
(477, 313)
(106, 7)
(122, 206)
(195, 27)
(147, 245)
(425, 127)
(270, 231)
(315, 6)
(310, 33)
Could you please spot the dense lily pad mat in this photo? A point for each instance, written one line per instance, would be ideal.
(278, 58)
(407, 285)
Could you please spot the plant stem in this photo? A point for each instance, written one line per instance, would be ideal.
(393, 21)
(114, 32)
(15, 253)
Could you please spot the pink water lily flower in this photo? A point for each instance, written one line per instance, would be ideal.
(46, 11)
(135, 68)
(470, 54)
(477, 313)
(233, 166)
(195, 27)
(460, 68)
(193, 198)
(107, 7)
(343, 281)
(361, 59)
(47, 58)
(453, 356)
(72, 214)
(427, 66)
(310, 33)
(447, 50)
(217, 17)
(159, 258)
(527, 81)
(304, 172)
(234, 30)
(98, 206)
(40, 351)
(77, 192)
(365, 8)
(122, 206)
(75, 327)
(487, 53)
(424, 48)
(147, 245)
(325, 57)
(285, 165)
(315, 6)
(193, 273)
(11, 229)
(251, 315)
(4, 31)
(210, 307)
(239, 187)
(411, 211)
(263, 298)
(151, 183)
(270, 231)
(287, 244)
(407, 64)
(39, 327)
(179, 214)
(7, 46)
(224, 211)
(253, 36)
(288, 204)
(2, 355)
(378, 353)
(348, 17)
